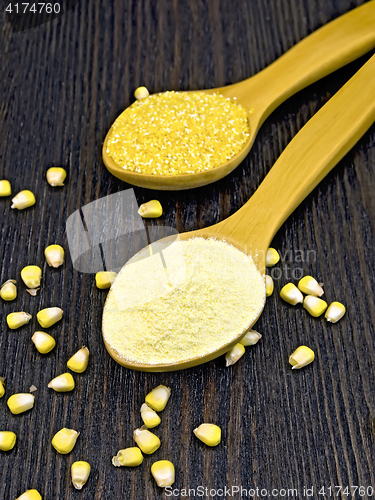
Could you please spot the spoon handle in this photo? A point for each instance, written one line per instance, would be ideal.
(308, 158)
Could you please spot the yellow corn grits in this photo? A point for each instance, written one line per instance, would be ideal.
(185, 300)
(178, 133)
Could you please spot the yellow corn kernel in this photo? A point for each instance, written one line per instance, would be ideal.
(335, 311)
(141, 93)
(104, 279)
(31, 276)
(269, 285)
(129, 457)
(2, 387)
(210, 434)
(8, 290)
(149, 416)
(314, 305)
(50, 316)
(301, 357)
(163, 473)
(151, 209)
(62, 383)
(5, 188)
(250, 338)
(23, 199)
(80, 473)
(7, 440)
(18, 403)
(65, 440)
(146, 440)
(310, 286)
(54, 255)
(79, 361)
(234, 354)
(56, 176)
(18, 319)
(272, 257)
(157, 399)
(30, 495)
(43, 342)
(291, 294)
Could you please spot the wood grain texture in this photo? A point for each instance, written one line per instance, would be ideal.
(62, 85)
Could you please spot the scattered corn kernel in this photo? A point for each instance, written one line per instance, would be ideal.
(79, 361)
(146, 440)
(104, 279)
(8, 290)
(234, 354)
(301, 357)
(269, 285)
(5, 188)
(163, 472)
(272, 257)
(250, 338)
(335, 311)
(141, 93)
(129, 457)
(43, 342)
(149, 416)
(314, 305)
(23, 199)
(56, 176)
(18, 319)
(50, 316)
(32, 291)
(65, 440)
(291, 294)
(30, 495)
(32, 388)
(310, 286)
(80, 473)
(157, 399)
(54, 255)
(151, 209)
(7, 440)
(2, 387)
(62, 383)
(210, 434)
(18, 403)
(31, 276)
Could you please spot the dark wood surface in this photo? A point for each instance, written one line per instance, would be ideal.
(62, 85)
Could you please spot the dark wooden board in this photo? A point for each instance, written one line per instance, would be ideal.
(62, 84)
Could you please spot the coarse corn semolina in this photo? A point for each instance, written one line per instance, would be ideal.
(174, 133)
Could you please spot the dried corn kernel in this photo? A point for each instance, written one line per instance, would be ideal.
(62, 383)
(250, 338)
(151, 209)
(335, 311)
(18, 403)
(291, 294)
(269, 285)
(141, 93)
(149, 416)
(7, 440)
(234, 354)
(157, 399)
(5, 188)
(30, 495)
(146, 440)
(210, 434)
(8, 290)
(314, 305)
(18, 319)
(272, 257)
(129, 457)
(310, 286)
(301, 357)
(23, 199)
(50, 316)
(54, 255)
(32, 388)
(56, 176)
(80, 473)
(65, 440)
(43, 342)
(104, 279)
(163, 473)
(79, 361)
(2, 388)
(31, 276)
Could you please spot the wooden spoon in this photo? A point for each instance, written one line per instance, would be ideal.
(312, 153)
(326, 50)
